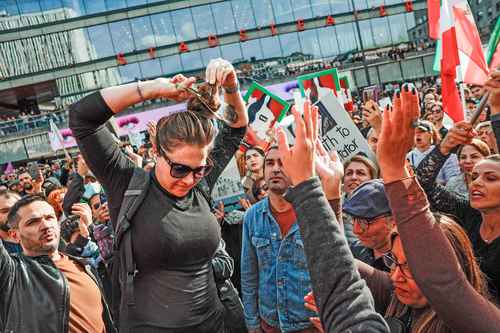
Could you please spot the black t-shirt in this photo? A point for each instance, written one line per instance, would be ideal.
(173, 242)
(173, 239)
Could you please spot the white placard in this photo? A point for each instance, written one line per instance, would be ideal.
(344, 136)
(228, 187)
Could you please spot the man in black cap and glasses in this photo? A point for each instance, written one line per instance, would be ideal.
(372, 220)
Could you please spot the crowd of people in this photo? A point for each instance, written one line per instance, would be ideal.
(119, 239)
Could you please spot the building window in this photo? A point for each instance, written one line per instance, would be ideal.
(224, 17)
(243, 14)
(183, 24)
(203, 21)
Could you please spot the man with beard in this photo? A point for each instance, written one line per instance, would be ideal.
(63, 294)
(372, 221)
(29, 185)
(274, 274)
(7, 200)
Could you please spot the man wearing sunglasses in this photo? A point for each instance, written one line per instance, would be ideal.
(372, 221)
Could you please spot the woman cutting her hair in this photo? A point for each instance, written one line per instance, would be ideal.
(174, 235)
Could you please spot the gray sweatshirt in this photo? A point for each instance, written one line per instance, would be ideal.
(343, 299)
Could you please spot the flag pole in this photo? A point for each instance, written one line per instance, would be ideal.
(461, 84)
(480, 109)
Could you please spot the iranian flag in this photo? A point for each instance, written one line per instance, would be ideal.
(433, 17)
(346, 90)
(493, 53)
(460, 46)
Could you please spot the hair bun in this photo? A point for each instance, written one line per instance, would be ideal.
(207, 103)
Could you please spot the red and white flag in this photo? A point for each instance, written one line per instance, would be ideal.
(461, 46)
(470, 49)
(433, 7)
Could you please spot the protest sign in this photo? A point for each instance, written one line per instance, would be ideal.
(340, 133)
(264, 110)
(317, 85)
(228, 187)
(344, 137)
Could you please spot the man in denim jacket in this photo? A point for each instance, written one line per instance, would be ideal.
(274, 273)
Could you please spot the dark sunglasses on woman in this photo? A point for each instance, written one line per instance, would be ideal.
(179, 171)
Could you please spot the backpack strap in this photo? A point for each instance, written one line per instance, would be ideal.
(132, 200)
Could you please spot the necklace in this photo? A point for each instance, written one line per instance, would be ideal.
(489, 239)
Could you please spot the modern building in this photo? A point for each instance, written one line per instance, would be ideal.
(53, 52)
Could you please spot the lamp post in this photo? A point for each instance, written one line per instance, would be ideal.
(365, 66)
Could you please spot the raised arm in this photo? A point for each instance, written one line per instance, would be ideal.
(231, 132)
(98, 146)
(431, 258)
(493, 86)
(434, 265)
(427, 171)
(344, 301)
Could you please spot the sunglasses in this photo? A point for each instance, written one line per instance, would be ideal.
(97, 205)
(391, 262)
(179, 171)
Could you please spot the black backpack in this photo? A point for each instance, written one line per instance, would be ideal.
(123, 268)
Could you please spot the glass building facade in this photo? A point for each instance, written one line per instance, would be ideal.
(147, 26)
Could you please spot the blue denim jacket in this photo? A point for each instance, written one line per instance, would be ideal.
(274, 274)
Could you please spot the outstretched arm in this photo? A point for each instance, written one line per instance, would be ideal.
(345, 303)
(431, 258)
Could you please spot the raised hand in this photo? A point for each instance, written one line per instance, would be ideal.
(102, 214)
(330, 171)
(460, 134)
(298, 161)
(398, 132)
(373, 115)
(85, 213)
(221, 73)
(174, 88)
(493, 86)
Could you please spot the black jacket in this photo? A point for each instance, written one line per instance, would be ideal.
(34, 295)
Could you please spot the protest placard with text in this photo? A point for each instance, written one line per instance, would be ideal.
(264, 110)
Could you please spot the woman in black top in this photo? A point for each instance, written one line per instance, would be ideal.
(174, 234)
(479, 214)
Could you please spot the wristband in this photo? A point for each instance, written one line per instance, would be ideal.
(139, 90)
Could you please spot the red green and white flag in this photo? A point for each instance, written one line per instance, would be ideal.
(346, 90)
(493, 52)
(459, 46)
